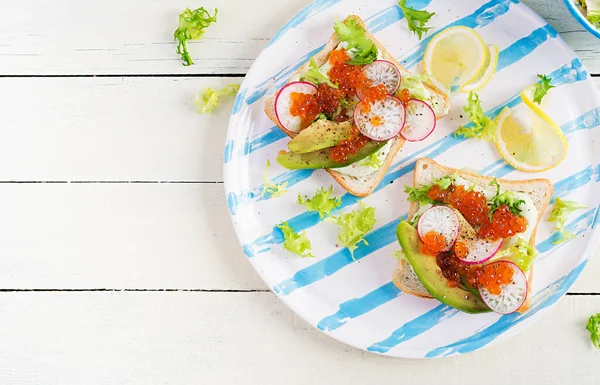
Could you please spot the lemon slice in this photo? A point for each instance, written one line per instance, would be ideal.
(489, 69)
(533, 144)
(454, 57)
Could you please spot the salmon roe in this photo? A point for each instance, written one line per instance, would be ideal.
(495, 275)
(328, 99)
(504, 224)
(304, 106)
(349, 78)
(342, 151)
(461, 249)
(432, 243)
(471, 204)
(373, 94)
(404, 95)
(453, 269)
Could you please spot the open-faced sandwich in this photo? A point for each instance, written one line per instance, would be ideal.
(469, 239)
(351, 108)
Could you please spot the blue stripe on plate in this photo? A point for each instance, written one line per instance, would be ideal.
(359, 306)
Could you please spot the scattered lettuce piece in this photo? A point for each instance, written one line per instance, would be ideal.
(354, 225)
(321, 116)
(351, 32)
(208, 100)
(419, 194)
(593, 326)
(296, 243)
(521, 254)
(321, 202)
(560, 215)
(274, 190)
(416, 19)
(542, 88)
(372, 161)
(415, 84)
(315, 76)
(485, 128)
(594, 17)
(506, 198)
(191, 27)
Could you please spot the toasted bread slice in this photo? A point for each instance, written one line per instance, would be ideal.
(428, 171)
(365, 185)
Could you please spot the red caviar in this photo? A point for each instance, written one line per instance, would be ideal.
(404, 95)
(371, 95)
(304, 106)
(349, 78)
(504, 224)
(348, 147)
(461, 249)
(495, 275)
(471, 204)
(453, 269)
(433, 243)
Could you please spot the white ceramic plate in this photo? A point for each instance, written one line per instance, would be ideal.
(354, 301)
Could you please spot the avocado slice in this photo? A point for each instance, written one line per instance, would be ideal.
(426, 268)
(322, 159)
(319, 135)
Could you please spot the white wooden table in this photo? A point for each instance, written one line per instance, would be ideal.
(119, 262)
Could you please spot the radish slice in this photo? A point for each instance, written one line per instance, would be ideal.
(420, 121)
(481, 250)
(443, 220)
(512, 296)
(283, 103)
(383, 72)
(383, 120)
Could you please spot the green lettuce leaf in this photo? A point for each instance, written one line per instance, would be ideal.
(560, 215)
(191, 27)
(416, 19)
(542, 88)
(593, 326)
(419, 194)
(296, 243)
(315, 76)
(351, 32)
(521, 254)
(271, 189)
(506, 198)
(208, 100)
(321, 202)
(372, 161)
(484, 127)
(354, 225)
(415, 84)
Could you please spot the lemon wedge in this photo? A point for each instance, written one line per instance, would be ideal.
(530, 143)
(454, 58)
(488, 71)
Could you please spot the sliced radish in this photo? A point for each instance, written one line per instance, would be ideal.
(383, 72)
(512, 296)
(481, 250)
(283, 103)
(383, 120)
(444, 221)
(420, 121)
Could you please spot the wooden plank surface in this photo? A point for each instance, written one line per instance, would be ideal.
(66, 37)
(251, 338)
(125, 129)
(131, 236)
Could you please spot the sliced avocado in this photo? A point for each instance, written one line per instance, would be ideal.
(322, 159)
(426, 268)
(319, 135)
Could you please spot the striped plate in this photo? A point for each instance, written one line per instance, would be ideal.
(353, 300)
